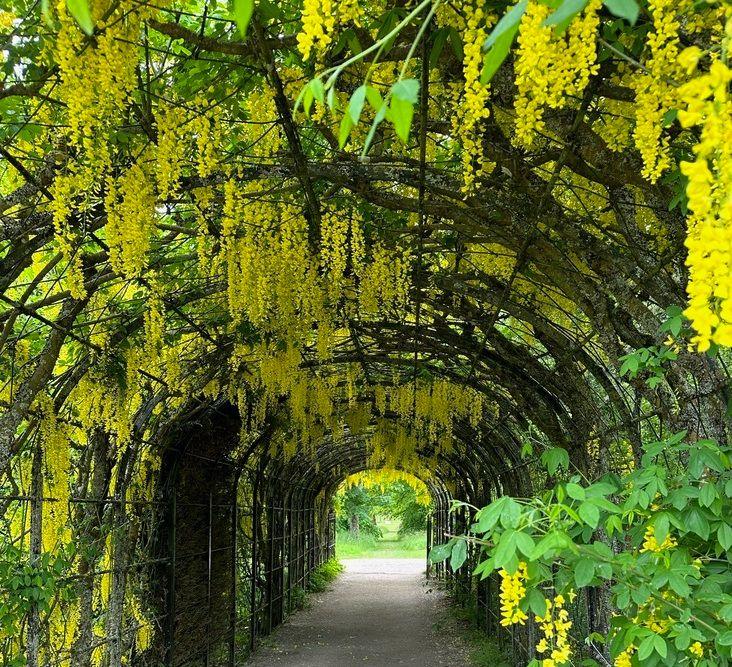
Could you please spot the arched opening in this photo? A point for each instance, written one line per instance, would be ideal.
(243, 525)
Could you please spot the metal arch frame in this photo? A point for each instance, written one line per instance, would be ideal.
(292, 527)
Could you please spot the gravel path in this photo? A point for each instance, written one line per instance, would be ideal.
(380, 611)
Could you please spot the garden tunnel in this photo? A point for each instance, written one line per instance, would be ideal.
(241, 261)
(241, 532)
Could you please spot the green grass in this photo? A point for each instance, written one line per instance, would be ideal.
(320, 578)
(323, 575)
(389, 545)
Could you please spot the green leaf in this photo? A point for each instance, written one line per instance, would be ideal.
(404, 95)
(536, 602)
(459, 555)
(306, 97)
(506, 549)
(495, 56)
(584, 572)
(613, 525)
(510, 513)
(678, 584)
(724, 535)
(345, 130)
(488, 516)
(660, 527)
(553, 541)
(525, 543)
(509, 21)
(659, 644)
(707, 494)
(725, 639)
(589, 514)
(646, 647)
(555, 458)
(243, 10)
(316, 85)
(630, 364)
(407, 90)
(46, 14)
(696, 522)
(441, 552)
(79, 9)
(484, 568)
(575, 491)
(565, 13)
(625, 9)
(683, 639)
(374, 98)
(355, 106)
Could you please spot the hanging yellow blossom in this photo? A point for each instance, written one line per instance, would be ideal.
(555, 625)
(131, 211)
(655, 93)
(318, 22)
(707, 105)
(551, 69)
(512, 592)
(651, 544)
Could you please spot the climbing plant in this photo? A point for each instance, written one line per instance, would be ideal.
(452, 232)
(657, 538)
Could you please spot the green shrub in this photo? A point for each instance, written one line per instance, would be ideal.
(323, 575)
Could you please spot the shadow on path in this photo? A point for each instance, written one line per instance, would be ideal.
(380, 611)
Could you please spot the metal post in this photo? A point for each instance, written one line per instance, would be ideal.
(270, 564)
(289, 554)
(255, 556)
(208, 577)
(170, 619)
(232, 610)
(429, 546)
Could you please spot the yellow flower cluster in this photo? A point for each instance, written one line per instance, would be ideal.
(349, 11)
(6, 20)
(512, 592)
(707, 105)
(433, 406)
(334, 250)
(624, 659)
(385, 281)
(654, 92)
(550, 69)
(473, 109)
(97, 76)
(130, 204)
(492, 258)
(555, 625)
(65, 189)
(263, 135)
(383, 477)
(617, 116)
(57, 464)
(318, 22)
(651, 544)
(206, 128)
(170, 150)
(154, 320)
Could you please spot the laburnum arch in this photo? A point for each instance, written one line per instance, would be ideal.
(203, 270)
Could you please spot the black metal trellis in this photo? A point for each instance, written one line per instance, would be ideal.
(225, 548)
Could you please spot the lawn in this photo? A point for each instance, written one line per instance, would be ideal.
(389, 545)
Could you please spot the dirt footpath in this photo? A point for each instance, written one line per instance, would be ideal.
(380, 611)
